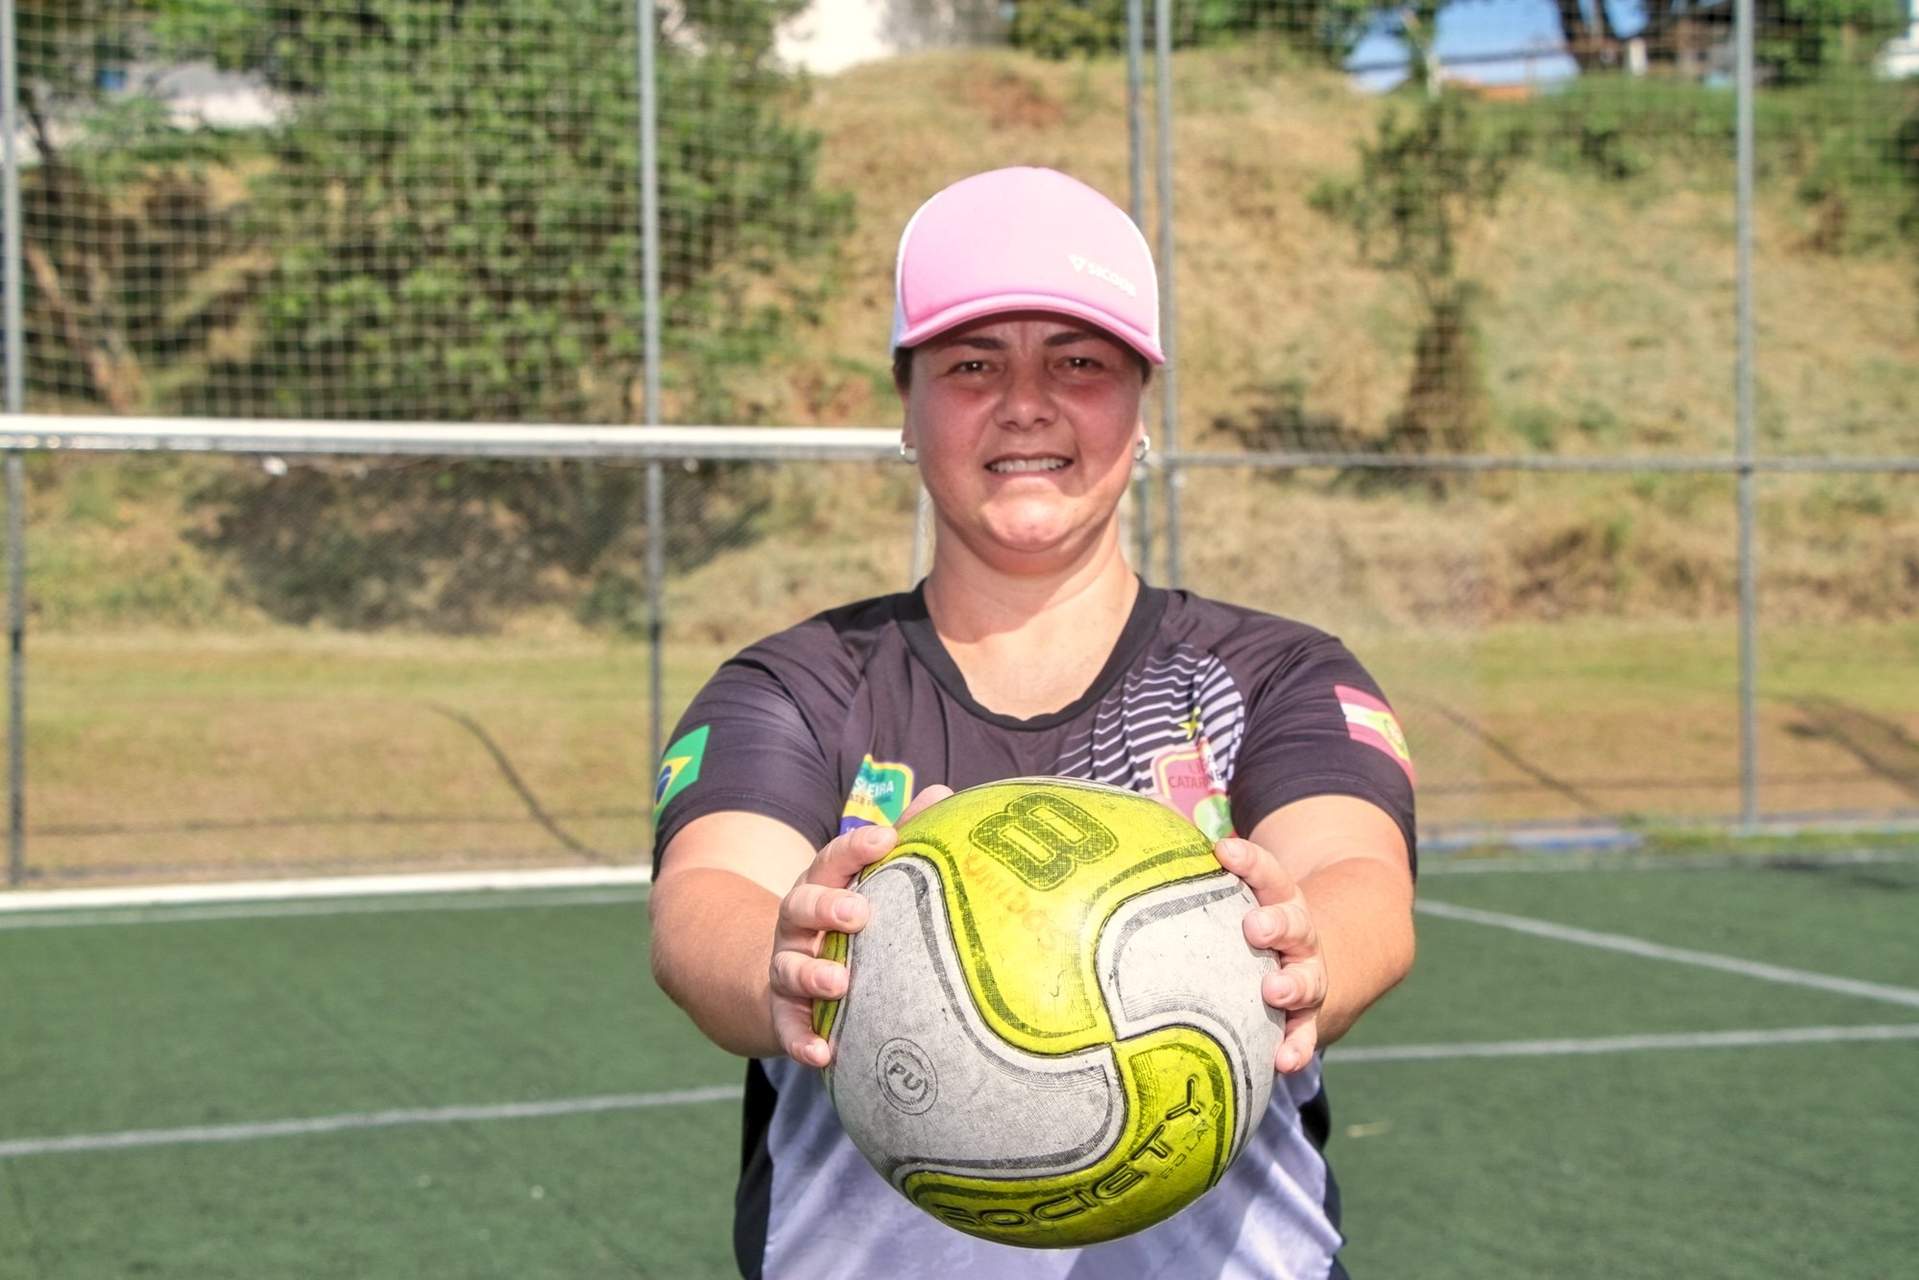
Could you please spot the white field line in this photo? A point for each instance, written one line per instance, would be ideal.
(325, 887)
(347, 888)
(189, 913)
(1448, 865)
(1623, 1044)
(20, 1148)
(1620, 942)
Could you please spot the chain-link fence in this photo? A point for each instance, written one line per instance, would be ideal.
(1564, 358)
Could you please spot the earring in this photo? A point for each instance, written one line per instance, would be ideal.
(908, 453)
(1141, 447)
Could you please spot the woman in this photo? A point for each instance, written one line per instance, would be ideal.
(1025, 330)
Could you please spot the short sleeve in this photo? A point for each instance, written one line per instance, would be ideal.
(750, 741)
(1318, 724)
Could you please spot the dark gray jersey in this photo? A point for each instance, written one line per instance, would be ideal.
(1224, 713)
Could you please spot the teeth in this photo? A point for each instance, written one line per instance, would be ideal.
(1008, 466)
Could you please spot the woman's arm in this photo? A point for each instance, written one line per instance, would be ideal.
(714, 906)
(1335, 888)
(739, 910)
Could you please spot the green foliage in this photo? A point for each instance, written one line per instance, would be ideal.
(295, 47)
(64, 46)
(1620, 127)
(462, 207)
(1837, 180)
(1906, 148)
(463, 204)
(446, 225)
(1802, 41)
(1069, 28)
(1423, 182)
(1328, 29)
(114, 207)
(131, 305)
(1838, 144)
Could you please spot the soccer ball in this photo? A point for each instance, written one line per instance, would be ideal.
(1052, 1033)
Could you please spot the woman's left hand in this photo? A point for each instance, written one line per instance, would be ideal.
(1283, 924)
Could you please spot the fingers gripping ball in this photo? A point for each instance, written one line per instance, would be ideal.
(1052, 1033)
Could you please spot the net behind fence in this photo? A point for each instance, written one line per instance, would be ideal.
(287, 664)
(347, 678)
(406, 209)
(1407, 241)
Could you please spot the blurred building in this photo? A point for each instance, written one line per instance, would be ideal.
(1899, 60)
(832, 35)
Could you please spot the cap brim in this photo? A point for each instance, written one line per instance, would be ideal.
(961, 313)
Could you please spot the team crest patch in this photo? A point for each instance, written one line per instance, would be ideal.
(881, 791)
(1186, 780)
(1372, 722)
(679, 768)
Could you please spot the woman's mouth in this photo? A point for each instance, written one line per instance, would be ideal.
(1020, 466)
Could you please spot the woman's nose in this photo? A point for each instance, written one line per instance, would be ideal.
(1028, 400)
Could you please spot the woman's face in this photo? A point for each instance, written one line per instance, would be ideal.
(1025, 424)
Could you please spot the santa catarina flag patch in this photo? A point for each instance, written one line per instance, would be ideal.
(1371, 721)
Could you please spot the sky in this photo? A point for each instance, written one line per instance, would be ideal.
(1469, 27)
(1476, 27)
(832, 34)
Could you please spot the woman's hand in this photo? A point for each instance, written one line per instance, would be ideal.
(822, 900)
(1283, 924)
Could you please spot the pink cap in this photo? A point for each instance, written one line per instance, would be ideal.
(1025, 240)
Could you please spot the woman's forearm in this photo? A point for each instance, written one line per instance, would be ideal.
(1362, 909)
(712, 943)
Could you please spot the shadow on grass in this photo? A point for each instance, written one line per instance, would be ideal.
(1883, 746)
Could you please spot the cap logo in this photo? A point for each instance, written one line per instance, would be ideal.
(1087, 267)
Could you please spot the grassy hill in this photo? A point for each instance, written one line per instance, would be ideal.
(1560, 646)
(1607, 328)
(1609, 325)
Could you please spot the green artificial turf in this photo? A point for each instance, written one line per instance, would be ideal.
(1765, 1159)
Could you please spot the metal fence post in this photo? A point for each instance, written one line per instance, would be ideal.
(1168, 294)
(16, 672)
(650, 406)
(16, 387)
(1136, 206)
(1743, 446)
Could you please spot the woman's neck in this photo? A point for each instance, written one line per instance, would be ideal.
(1029, 644)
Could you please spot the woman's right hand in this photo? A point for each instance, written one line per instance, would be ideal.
(822, 901)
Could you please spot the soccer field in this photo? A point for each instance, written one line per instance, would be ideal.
(1598, 1069)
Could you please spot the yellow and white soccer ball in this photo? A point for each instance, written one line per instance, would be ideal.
(1052, 1033)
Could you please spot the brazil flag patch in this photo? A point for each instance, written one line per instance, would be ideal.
(879, 795)
(680, 768)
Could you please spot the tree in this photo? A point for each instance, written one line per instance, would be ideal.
(1795, 40)
(1587, 28)
(69, 52)
(454, 203)
(1325, 29)
(1423, 182)
(457, 193)
(1798, 41)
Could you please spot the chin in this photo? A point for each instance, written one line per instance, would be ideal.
(1029, 546)
(1029, 535)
